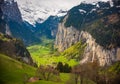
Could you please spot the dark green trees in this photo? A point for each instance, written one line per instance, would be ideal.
(63, 68)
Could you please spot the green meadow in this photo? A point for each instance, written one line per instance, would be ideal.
(15, 72)
(42, 56)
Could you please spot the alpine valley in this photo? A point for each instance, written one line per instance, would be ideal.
(59, 42)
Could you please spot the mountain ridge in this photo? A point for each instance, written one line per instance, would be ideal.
(94, 29)
(33, 11)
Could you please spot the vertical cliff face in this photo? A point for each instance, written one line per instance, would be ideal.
(66, 37)
(11, 11)
(94, 51)
(101, 34)
(9, 45)
(13, 24)
(2, 21)
(14, 48)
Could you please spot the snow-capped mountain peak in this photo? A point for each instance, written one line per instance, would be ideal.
(40, 10)
(34, 10)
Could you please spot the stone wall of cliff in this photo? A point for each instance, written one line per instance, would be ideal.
(9, 45)
(12, 23)
(14, 48)
(66, 37)
(11, 11)
(97, 26)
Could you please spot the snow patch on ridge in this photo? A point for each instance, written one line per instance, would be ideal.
(82, 11)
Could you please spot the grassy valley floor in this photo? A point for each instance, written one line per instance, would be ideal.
(43, 55)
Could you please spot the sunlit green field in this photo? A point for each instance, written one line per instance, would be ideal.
(14, 72)
(38, 50)
(42, 56)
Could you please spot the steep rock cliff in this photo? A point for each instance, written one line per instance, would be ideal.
(66, 37)
(94, 51)
(2, 21)
(11, 11)
(96, 27)
(9, 45)
(14, 24)
(14, 48)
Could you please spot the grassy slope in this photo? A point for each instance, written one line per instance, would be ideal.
(41, 55)
(75, 51)
(12, 71)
